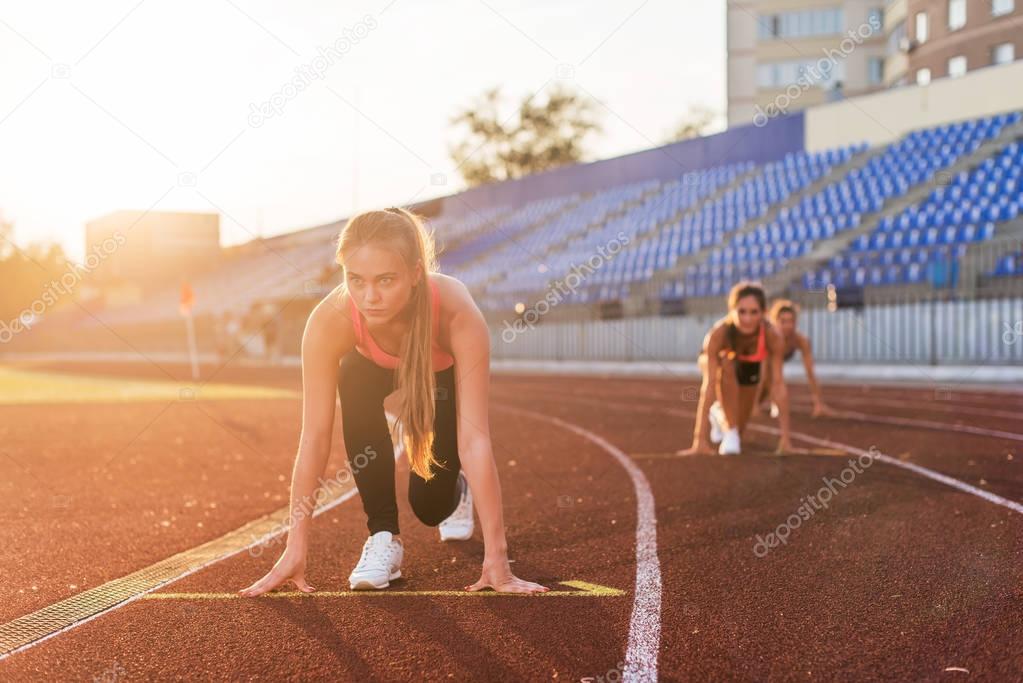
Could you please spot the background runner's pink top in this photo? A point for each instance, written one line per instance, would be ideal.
(367, 346)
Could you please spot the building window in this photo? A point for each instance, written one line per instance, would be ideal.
(875, 70)
(957, 66)
(801, 24)
(956, 14)
(1000, 7)
(921, 27)
(785, 73)
(1003, 53)
(923, 76)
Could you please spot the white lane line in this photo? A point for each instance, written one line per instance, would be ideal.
(946, 406)
(889, 419)
(852, 450)
(645, 625)
(918, 469)
(931, 424)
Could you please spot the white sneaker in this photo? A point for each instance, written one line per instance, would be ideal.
(460, 524)
(380, 562)
(774, 410)
(730, 443)
(717, 418)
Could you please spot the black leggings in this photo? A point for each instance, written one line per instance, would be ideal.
(362, 386)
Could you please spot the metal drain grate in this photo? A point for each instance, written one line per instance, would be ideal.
(24, 631)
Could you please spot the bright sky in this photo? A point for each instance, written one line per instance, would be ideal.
(110, 105)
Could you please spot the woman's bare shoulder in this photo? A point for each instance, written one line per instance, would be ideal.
(454, 295)
(715, 337)
(330, 325)
(719, 328)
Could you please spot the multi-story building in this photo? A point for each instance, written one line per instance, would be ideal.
(929, 39)
(785, 55)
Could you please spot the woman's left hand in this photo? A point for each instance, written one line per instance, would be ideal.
(822, 410)
(498, 575)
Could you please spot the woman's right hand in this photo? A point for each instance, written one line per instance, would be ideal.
(290, 567)
(698, 448)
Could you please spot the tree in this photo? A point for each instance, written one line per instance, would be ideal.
(6, 235)
(538, 136)
(698, 121)
(27, 275)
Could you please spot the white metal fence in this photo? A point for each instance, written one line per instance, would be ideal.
(986, 331)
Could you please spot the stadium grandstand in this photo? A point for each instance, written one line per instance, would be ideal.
(828, 217)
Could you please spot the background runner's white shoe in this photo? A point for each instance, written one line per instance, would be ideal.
(717, 418)
(380, 562)
(730, 443)
(460, 525)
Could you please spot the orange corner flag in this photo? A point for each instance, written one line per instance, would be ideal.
(187, 299)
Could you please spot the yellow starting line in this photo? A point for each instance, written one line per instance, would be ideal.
(583, 589)
(52, 620)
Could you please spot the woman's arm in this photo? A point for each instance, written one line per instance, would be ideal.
(708, 394)
(779, 391)
(324, 341)
(811, 377)
(470, 346)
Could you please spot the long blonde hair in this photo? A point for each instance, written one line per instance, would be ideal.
(405, 232)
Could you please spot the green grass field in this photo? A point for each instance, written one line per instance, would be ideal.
(18, 387)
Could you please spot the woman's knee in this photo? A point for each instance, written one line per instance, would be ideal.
(432, 517)
(431, 513)
(433, 502)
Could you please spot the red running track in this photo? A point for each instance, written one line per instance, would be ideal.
(900, 577)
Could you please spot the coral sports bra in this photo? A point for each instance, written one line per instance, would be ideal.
(757, 356)
(367, 346)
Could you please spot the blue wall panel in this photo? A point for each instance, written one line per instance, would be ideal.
(773, 141)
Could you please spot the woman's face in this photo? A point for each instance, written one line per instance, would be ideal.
(379, 281)
(787, 323)
(747, 314)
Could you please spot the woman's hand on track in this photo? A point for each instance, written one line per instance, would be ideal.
(703, 448)
(498, 575)
(822, 410)
(290, 567)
